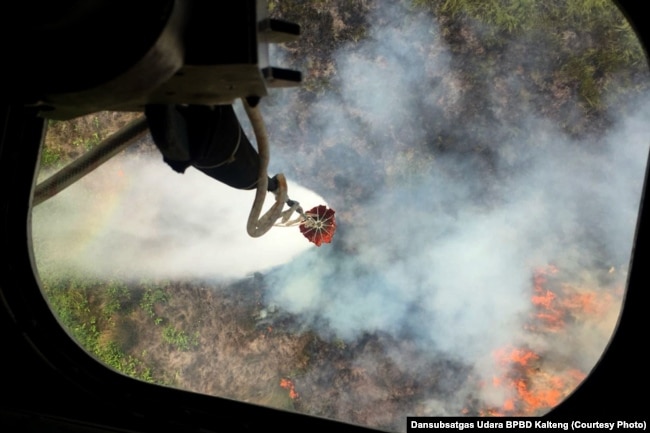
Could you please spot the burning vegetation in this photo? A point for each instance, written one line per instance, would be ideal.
(289, 386)
(530, 380)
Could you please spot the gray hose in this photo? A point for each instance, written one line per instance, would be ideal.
(257, 226)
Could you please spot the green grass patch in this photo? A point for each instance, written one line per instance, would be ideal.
(85, 309)
(179, 339)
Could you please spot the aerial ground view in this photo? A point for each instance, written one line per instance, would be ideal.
(485, 163)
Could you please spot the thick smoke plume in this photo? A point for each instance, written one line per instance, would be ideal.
(134, 218)
(439, 242)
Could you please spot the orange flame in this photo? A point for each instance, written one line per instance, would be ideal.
(550, 317)
(288, 384)
(555, 307)
(530, 383)
(532, 389)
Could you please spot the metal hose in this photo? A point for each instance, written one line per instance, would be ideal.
(257, 226)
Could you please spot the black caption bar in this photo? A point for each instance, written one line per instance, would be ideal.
(423, 424)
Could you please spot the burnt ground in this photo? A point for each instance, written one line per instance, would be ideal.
(236, 347)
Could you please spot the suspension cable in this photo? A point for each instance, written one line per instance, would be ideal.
(256, 225)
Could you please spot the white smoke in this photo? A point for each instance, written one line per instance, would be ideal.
(135, 218)
(442, 249)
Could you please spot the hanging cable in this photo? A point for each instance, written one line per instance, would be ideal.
(258, 225)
